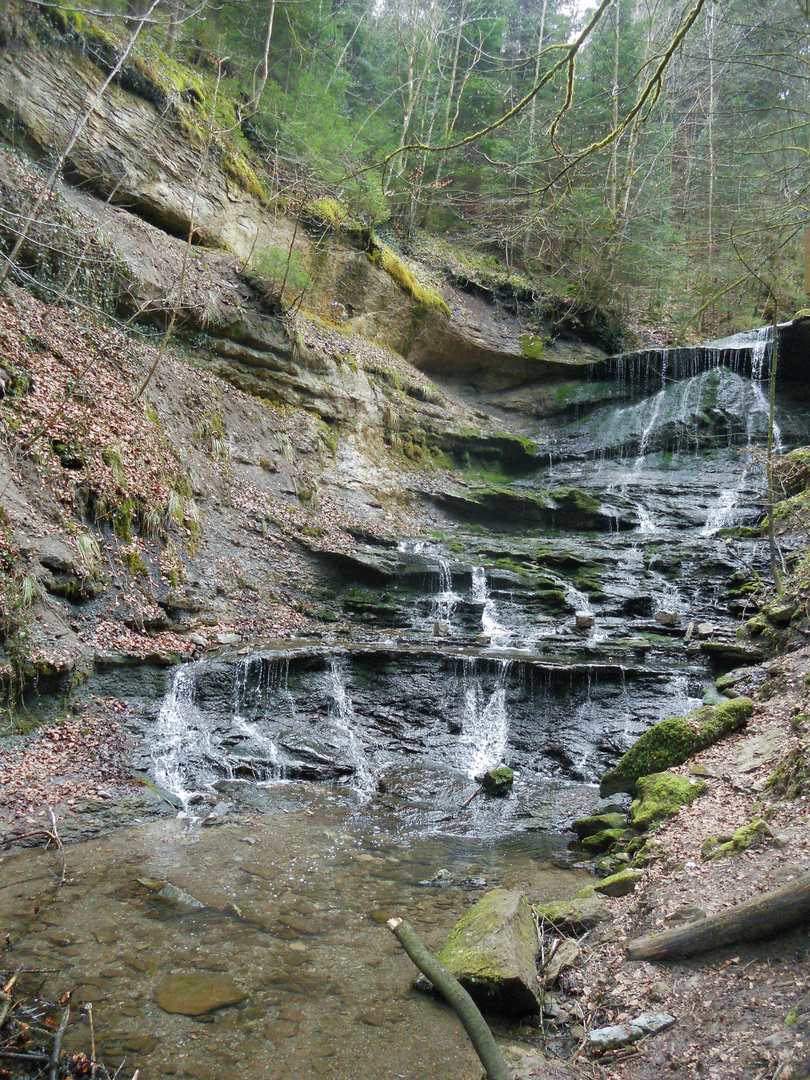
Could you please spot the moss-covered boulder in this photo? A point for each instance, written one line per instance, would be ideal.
(498, 781)
(619, 884)
(661, 795)
(596, 823)
(596, 843)
(671, 742)
(575, 916)
(492, 951)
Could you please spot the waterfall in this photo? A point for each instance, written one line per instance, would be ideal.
(342, 715)
(578, 600)
(759, 351)
(485, 723)
(445, 600)
(490, 623)
(183, 750)
(251, 696)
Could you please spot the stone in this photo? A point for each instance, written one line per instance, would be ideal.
(193, 993)
(613, 1037)
(596, 823)
(492, 951)
(583, 912)
(618, 884)
(498, 782)
(652, 1023)
(228, 639)
(565, 956)
(605, 840)
(279, 1029)
(757, 751)
(584, 620)
(686, 913)
(668, 618)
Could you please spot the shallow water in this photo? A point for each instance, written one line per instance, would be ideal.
(294, 905)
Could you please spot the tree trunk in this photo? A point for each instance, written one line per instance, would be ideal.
(763, 916)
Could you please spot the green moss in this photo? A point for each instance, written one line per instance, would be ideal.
(462, 953)
(671, 742)
(531, 346)
(576, 498)
(619, 884)
(598, 842)
(791, 778)
(661, 796)
(395, 268)
(596, 823)
(235, 165)
(747, 836)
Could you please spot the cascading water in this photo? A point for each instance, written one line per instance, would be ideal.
(485, 725)
(342, 715)
(491, 625)
(186, 755)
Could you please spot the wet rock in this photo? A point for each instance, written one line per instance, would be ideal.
(279, 1029)
(668, 618)
(498, 782)
(193, 993)
(229, 639)
(584, 620)
(492, 952)
(597, 823)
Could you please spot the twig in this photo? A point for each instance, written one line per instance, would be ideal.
(60, 845)
(93, 1066)
(57, 1044)
(41, 1059)
(7, 995)
(468, 801)
(27, 836)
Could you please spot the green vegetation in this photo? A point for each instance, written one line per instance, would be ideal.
(425, 295)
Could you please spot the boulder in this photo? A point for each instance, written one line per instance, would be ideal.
(492, 951)
(498, 781)
(671, 742)
(618, 884)
(596, 823)
(583, 912)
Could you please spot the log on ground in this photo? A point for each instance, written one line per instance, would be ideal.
(763, 916)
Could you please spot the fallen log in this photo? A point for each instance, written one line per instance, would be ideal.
(761, 917)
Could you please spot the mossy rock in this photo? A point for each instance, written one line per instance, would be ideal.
(671, 742)
(605, 840)
(492, 951)
(618, 884)
(585, 911)
(747, 836)
(661, 796)
(498, 781)
(597, 823)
